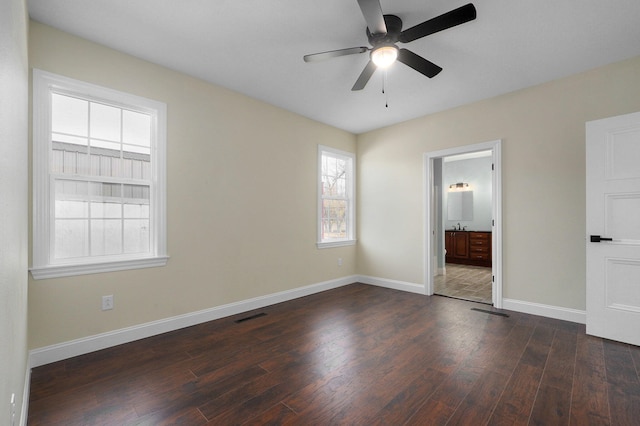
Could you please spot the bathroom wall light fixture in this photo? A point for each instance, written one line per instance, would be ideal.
(460, 186)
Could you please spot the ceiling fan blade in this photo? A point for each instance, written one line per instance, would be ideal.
(450, 19)
(365, 75)
(418, 63)
(315, 57)
(372, 12)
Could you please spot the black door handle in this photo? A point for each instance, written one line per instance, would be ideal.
(598, 238)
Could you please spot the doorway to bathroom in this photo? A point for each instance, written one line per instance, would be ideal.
(463, 229)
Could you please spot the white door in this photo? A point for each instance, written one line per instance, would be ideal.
(613, 212)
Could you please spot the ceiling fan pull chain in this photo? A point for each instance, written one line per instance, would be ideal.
(386, 92)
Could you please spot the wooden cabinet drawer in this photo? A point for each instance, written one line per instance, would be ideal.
(479, 249)
(480, 236)
(479, 256)
(481, 243)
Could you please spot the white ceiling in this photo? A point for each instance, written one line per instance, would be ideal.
(256, 47)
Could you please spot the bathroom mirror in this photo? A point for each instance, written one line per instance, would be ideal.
(460, 205)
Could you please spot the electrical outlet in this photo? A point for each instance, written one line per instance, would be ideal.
(107, 302)
(339, 261)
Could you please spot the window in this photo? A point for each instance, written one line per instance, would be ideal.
(98, 179)
(336, 205)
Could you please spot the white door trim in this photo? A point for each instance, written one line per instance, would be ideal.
(496, 235)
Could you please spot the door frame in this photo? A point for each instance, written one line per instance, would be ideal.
(496, 199)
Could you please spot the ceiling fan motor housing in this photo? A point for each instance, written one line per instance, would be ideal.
(394, 28)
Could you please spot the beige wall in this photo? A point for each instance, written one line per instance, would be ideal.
(241, 192)
(542, 129)
(241, 200)
(13, 205)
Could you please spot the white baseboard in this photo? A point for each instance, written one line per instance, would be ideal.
(394, 284)
(60, 351)
(557, 312)
(549, 311)
(24, 412)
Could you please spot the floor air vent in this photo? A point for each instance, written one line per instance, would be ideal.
(261, 314)
(500, 314)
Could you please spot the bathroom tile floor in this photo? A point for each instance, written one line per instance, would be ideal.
(465, 282)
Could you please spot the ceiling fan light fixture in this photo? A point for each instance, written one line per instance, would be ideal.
(384, 56)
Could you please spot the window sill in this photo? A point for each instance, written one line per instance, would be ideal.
(331, 244)
(57, 271)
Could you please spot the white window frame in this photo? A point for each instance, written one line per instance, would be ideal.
(351, 198)
(43, 264)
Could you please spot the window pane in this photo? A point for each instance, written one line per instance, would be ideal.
(57, 161)
(67, 139)
(66, 209)
(136, 223)
(136, 211)
(130, 151)
(69, 165)
(341, 186)
(136, 236)
(106, 237)
(136, 169)
(139, 193)
(106, 210)
(332, 167)
(106, 214)
(334, 219)
(111, 149)
(69, 115)
(71, 238)
(136, 128)
(104, 189)
(105, 122)
(83, 164)
(71, 219)
(334, 176)
(71, 199)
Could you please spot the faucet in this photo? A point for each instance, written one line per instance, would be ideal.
(459, 229)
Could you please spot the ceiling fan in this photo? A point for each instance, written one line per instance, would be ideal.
(384, 31)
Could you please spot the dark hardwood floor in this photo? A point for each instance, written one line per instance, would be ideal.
(358, 355)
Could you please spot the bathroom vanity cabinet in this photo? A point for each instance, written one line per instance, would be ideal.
(468, 247)
(457, 245)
